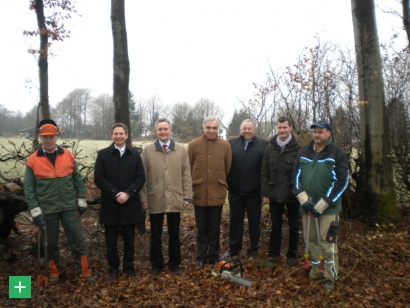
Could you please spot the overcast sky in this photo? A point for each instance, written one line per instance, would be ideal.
(180, 50)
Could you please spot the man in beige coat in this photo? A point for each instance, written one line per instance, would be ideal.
(167, 189)
(210, 158)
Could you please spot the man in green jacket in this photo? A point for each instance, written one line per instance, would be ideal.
(54, 192)
(321, 175)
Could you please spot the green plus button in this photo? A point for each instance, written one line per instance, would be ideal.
(20, 287)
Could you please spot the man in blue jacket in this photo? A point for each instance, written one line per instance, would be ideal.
(321, 175)
(245, 189)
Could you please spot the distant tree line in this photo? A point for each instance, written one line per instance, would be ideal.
(80, 115)
(322, 84)
(12, 123)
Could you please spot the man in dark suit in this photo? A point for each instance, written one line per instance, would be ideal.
(119, 175)
(244, 189)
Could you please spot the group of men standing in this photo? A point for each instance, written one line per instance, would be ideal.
(308, 180)
(167, 177)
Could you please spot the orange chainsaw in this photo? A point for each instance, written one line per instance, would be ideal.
(232, 270)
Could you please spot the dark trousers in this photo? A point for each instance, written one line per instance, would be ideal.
(237, 206)
(276, 213)
(174, 244)
(208, 224)
(111, 238)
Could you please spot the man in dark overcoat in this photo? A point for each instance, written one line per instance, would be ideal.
(119, 174)
(245, 189)
(277, 190)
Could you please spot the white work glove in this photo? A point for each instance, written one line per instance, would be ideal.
(321, 206)
(302, 197)
(38, 217)
(82, 206)
(304, 201)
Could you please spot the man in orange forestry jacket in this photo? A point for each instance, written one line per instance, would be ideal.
(55, 192)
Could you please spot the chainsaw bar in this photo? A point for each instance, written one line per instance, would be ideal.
(232, 270)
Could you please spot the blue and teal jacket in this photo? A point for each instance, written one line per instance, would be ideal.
(322, 175)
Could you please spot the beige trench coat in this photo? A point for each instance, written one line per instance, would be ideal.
(168, 178)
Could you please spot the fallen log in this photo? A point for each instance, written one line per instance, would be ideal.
(11, 204)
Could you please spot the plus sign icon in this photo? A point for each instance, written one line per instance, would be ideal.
(19, 286)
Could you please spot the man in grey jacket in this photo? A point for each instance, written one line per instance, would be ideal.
(167, 190)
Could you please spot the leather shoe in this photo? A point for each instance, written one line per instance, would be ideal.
(199, 264)
(155, 270)
(112, 274)
(274, 259)
(229, 254)
(252, 253)
(292, 261)
(213, 262)
(141, 229)
(131, 274)
(177, 270)
(328, 285)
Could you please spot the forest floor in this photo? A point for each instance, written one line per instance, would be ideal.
(374, 272)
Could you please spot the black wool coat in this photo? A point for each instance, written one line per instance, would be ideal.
(114, 174)
(277, 170)
(244, 176)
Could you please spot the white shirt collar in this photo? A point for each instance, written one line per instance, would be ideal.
(122, 150)
(167, 144)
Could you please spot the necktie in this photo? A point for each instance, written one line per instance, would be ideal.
(164, 147)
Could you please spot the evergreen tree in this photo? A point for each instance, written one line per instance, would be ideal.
(235, 124)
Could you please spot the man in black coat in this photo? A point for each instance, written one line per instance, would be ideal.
(244, 189)
(277, 189)
(119, 174)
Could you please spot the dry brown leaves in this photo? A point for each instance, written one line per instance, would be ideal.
(375, 272)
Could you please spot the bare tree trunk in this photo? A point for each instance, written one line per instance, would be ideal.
(121, 65)
(376, 186)
(406, 18)
(43, 60)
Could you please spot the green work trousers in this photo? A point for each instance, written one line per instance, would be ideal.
(73, 230)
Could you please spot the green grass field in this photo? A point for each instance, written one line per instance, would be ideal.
(13, 152)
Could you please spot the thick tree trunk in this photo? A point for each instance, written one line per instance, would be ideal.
(121, 65)
(375, 187)
(43, 60)
(406, 19)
